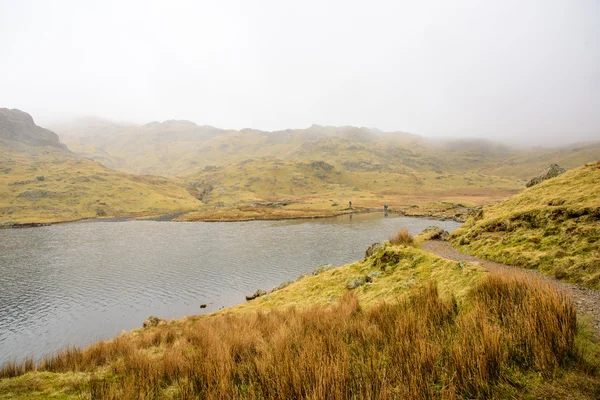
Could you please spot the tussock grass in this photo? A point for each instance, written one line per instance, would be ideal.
(423, 346)
(402, 237)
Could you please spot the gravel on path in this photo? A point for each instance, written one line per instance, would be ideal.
(586, 300)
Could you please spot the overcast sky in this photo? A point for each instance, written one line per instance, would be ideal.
(502, 69)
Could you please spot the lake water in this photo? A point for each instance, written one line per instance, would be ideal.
(72, 284)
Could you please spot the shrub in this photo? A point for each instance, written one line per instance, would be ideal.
(402, 237)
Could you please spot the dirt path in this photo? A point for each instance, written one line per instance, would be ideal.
(586, 300)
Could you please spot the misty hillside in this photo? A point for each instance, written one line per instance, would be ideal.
(41, 181)
(175, 148)
(312, 171)
(17, 128)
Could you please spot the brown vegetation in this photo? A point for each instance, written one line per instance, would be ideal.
(402, 237)
(424, 346)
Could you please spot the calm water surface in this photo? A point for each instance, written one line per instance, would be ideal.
(73, 284)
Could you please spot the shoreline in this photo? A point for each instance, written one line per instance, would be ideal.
(175, 217)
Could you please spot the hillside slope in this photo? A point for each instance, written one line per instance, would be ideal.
(41, 181)
(326, 188)
(172, 148)
(553, 226)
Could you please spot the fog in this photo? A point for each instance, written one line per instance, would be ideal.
(511, 70)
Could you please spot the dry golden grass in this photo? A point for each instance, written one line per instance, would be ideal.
(403, 237)
(421, 347)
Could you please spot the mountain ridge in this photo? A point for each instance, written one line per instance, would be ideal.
(19, 126)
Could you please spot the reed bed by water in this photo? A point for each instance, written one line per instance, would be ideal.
(423, 346)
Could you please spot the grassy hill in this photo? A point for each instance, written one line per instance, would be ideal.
(232, 170)
(251, 174)
(316, 186)
(553, 226)
(41, 181)
(174, 148)
(523, 165)
(423, 327)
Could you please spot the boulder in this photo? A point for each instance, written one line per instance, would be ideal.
(550, 172)
(153, 321)
(256, 294)
(435, 233)
(322, 268)
(353, 284)
(374, 248)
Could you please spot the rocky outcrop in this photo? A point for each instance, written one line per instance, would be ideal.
(374, 248)
(435, 233)
(550, 172)
(18, 126)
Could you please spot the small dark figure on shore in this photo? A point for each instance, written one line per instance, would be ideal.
(349, 204)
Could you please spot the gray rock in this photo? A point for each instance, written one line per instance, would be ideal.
(436, 233)
(550, 172)
(353, 284)
(256, 294)
(374, 248)
(322, 268)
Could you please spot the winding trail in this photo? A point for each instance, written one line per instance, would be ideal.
(586, 300)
